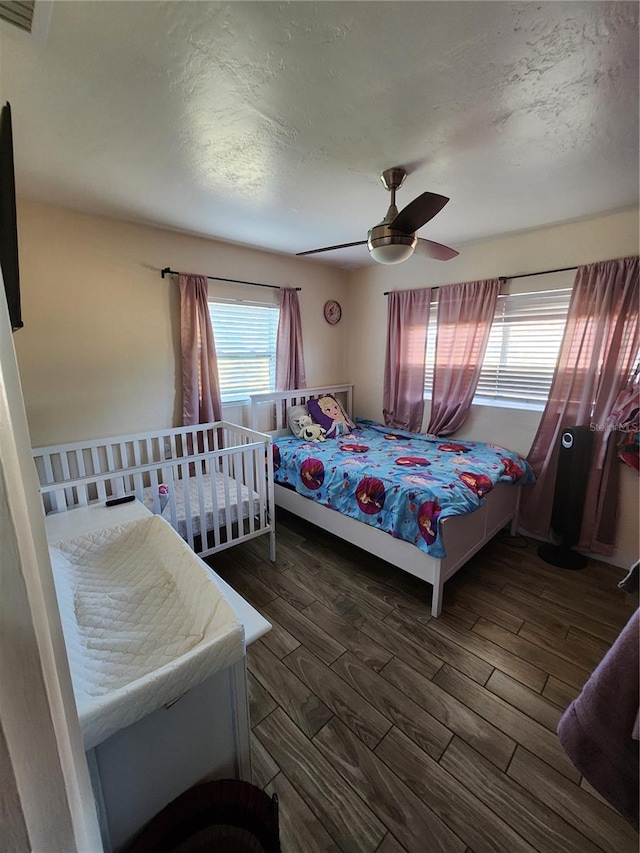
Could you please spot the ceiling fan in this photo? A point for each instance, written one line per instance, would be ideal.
(394, 239)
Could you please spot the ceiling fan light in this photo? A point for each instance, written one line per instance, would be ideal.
(387, 246)
(391, 253)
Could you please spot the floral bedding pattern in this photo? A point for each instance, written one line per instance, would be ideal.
(400, 482)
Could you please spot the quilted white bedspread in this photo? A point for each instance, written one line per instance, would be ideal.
(143, 622)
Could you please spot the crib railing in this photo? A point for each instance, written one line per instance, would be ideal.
(212, 482)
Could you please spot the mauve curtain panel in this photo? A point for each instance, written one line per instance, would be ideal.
(597, 354)
(200, 385)
(465, 314)
(290, 372)
(403, 391)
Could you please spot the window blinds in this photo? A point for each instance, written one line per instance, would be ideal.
(245, 335)
(523, 347)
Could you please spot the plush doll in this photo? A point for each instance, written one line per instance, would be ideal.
(310, 431)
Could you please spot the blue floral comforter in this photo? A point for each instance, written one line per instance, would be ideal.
(400, 482)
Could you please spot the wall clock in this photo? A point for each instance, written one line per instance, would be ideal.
(332, 312)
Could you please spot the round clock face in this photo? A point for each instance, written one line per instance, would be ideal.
(332, 311)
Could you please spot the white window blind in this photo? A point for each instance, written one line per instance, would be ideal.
(430, 352)
(245, 335)
(522, 351)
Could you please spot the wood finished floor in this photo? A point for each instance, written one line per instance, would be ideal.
(382, 729)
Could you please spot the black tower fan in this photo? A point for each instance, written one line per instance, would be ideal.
(574, 457)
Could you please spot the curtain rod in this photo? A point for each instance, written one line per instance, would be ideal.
(504, 278)
(527, 274)
(387, 292)
(169, 271)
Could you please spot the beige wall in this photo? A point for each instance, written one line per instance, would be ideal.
(592, 240)
(98, 353)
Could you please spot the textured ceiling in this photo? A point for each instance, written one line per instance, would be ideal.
(269, 123)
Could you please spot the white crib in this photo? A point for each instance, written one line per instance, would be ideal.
(212, 482)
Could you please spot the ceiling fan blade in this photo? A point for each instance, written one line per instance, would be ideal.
(418, 212)
(331, 248)
(435, 250)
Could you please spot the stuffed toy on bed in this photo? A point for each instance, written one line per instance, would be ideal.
(310, 431)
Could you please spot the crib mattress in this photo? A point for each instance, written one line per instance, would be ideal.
(143, 622)
(217, 511)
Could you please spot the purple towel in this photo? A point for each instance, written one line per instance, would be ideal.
(596, 730)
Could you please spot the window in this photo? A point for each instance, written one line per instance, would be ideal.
(522, 351)
(430, 353)
(245, 336)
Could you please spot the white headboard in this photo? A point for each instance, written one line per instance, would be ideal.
(270, 409)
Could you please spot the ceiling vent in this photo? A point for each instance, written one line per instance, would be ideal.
(19, 13)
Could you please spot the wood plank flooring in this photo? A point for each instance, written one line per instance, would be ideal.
(383, 730)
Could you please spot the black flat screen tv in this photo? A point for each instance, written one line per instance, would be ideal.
(8, 224)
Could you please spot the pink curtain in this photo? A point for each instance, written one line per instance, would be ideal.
(200, 388)
(597, 354)
(622, 422)
(403, 392)
(626, 420)
(290, 371)
(465, 315)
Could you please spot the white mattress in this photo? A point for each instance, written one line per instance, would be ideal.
(217, 509)
(143, 621)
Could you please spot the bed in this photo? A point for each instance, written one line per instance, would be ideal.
(212, 482)
(343, 486)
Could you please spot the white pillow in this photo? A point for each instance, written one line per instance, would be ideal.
(294, 413)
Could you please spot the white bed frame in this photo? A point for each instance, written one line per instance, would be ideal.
(462, 535)
(216, 471)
